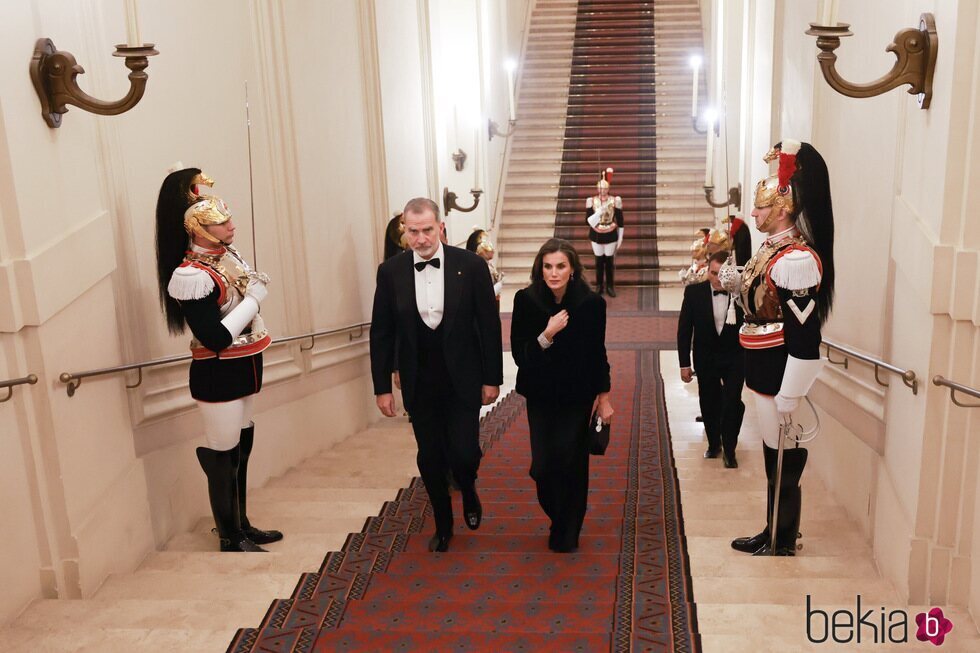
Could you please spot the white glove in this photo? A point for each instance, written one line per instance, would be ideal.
(241, 316)
(257, 290)
(786, 405)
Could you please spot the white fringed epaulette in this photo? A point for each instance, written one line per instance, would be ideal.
(797, 270)
(189, 282)
(588, 203)
(619, 202)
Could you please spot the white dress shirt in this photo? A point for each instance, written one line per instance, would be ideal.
(720, 305)
(430, 289)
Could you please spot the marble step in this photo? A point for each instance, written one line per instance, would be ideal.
(142, 614)
(113, 640)
(149, 585)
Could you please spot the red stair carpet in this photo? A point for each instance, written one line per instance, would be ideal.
(611, 122)
(500, 588)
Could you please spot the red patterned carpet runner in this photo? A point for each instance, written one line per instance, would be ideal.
(500, 588)
(611, 123)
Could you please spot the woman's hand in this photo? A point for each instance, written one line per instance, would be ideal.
(604, 406)
(557, 322)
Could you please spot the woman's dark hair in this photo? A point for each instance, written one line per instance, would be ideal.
(814, 218)
(474, 240)
(551, 246)
(172, 239)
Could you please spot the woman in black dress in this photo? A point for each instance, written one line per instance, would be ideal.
(557, 337)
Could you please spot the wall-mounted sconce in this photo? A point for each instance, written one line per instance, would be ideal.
(459, 159)
(734, 197)
(449, 201)
(494, 130)
(53, 72)
(915, 49)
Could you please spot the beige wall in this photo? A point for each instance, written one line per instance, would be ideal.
(344, 128)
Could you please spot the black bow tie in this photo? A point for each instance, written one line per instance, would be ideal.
(434, 262)
(718, 292)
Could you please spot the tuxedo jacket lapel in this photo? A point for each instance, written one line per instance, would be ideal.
(452, 286)
(405, 278)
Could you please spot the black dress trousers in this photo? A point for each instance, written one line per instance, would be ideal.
(446, 431)
(560, 466)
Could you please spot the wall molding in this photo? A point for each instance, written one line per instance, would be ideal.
(428, 99)
(42, 283)
(859, 407)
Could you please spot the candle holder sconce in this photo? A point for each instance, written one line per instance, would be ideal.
(449, 201)
(734, 197)
(459, 159)
(914, 48)
(494, 130)
(53, 72)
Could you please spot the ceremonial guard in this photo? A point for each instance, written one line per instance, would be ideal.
(695, 273)
(480, 244)
(205, 284)
(786, 290)
(604, 215)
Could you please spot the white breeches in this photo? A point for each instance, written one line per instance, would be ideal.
(609, 249)
(768, 418)
(224, 421)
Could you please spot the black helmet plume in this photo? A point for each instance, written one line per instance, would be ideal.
(172, 239)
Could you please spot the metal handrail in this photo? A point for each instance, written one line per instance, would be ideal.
(74, 379)
(908, 376)
(30, 379)
(955, 387)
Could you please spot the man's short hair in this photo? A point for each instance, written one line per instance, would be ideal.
(719, 257)
(421, 205)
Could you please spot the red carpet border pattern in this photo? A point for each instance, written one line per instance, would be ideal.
(499, 588)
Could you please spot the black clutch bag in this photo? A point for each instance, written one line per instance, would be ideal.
(598, 435)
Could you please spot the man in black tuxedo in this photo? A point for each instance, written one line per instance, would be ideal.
(435, 320)
(718, 360)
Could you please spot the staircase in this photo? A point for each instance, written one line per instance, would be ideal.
(189, 597)
(534, 169)
(607, 83)
(681, 209)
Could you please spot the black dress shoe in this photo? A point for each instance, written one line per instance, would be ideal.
(239, 543)
(472, 509)
(730, 461)
(751, 544)
(439, 543)
(765, 550)
(712, 452)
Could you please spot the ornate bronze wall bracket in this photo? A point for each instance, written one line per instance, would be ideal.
(915, 49)
(494, 130)
(734, 197)
(53, 72)
(449, 201)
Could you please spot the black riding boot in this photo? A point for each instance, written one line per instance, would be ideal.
(790, 501)
(221, 468)
(600, 272)
(757, 541)
(610, 274)
(257, 535)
